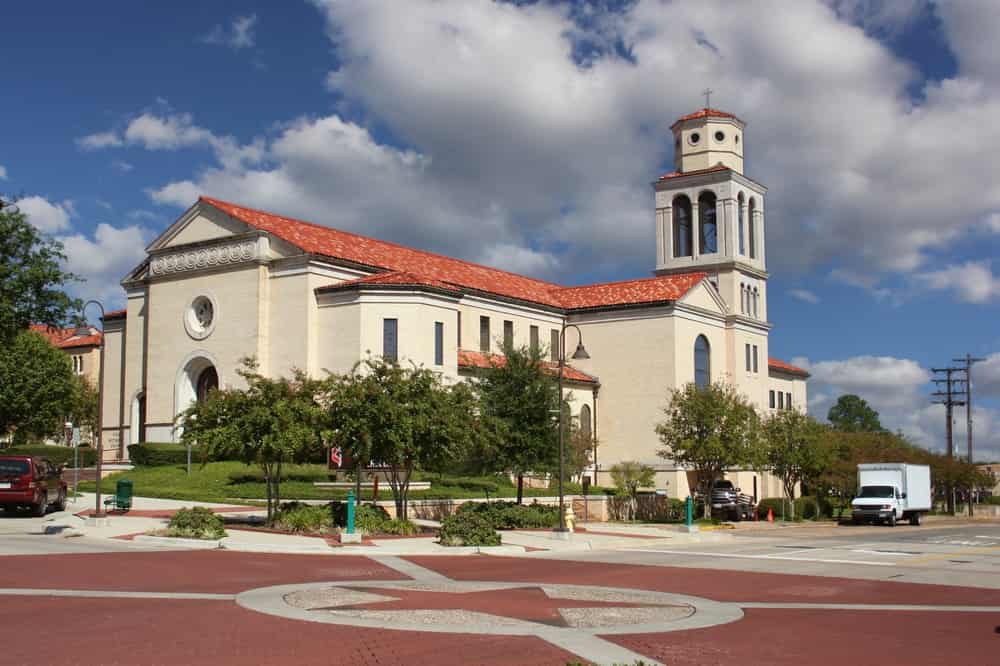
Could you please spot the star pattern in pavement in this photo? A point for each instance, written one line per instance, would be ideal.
(529, 604)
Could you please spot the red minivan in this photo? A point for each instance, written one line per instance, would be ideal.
(32, 482)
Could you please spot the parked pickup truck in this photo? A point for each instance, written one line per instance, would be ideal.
(889, 492)
(728, 502)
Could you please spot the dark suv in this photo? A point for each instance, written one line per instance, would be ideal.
(27, 481)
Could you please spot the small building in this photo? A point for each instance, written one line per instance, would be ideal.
(226, 281)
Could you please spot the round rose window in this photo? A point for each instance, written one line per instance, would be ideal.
(199, 320)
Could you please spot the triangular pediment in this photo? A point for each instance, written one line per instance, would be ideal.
(199, 223)
(705, 297)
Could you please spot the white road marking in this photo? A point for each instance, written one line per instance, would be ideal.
(883, 552)
(760, 557)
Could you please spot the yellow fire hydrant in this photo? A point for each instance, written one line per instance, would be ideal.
(569, 517)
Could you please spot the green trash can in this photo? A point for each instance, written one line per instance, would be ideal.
(123, 495)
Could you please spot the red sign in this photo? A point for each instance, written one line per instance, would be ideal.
(336, 456)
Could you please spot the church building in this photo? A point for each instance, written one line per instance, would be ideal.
(226, 281)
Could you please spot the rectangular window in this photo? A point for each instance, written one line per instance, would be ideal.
(554, 346)
(438, 343)
(781, 400)
(458, 331)
(772, 400)
(390, 341)
(748, 357)
(755, 358)
(788, 401)
(484, 335)
(508, 334)
(533, 332)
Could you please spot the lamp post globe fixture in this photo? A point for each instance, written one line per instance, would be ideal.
(579, 354)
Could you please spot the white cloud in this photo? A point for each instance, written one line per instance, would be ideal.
(99, 140)
(45, 215)
(899, 390)
(240, 34)
(886, 17)
(122, 165)
(972, 281)
(804, 295)
(992, 223)
(182, 194)
(513, 141)
(102, 260)
(166, 132)
(106, 205)
(3, 172)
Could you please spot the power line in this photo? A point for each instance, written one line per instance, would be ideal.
(969, 360)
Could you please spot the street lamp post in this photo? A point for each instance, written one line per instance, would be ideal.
(579, 354)
(99, 510)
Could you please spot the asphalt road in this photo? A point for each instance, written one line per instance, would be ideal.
(966, 554)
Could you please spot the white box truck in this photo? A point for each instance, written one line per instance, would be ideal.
(888, 492)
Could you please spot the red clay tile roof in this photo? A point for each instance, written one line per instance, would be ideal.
(706, 113)
(391, 279)
(629, 292)
(778, 364)
(479, 360)
(427, 268)
(66, 338)
(678, 174)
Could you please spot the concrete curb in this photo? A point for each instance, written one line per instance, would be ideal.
(176, 542)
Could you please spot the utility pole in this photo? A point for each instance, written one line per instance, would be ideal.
(969, 360)
(951, 388)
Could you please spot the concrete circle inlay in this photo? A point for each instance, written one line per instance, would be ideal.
(480, 607)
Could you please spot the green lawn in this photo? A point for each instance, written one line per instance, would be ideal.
(229, 481)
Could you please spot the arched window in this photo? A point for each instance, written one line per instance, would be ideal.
(682, 227)
(708, 241)
(742, 224)
(702, 362)
(752, 228)
(585, 424)
(755, 299)
(743, 298)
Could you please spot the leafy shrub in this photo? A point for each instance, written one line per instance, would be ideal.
(151, 454)
(60, 455)
(467, 529)
(805, 507)
(308, 518)
(369, 518)
(400, 527)
(992, 499)
(776, 504)
(650, 508)
(511, 516)
(196, 523)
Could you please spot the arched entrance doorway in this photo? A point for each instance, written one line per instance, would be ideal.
(208, 380)
(197, 376)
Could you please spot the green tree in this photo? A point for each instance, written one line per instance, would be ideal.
(37, 388)
(709, 430)
(521, 395)
(793, 451)
(31, 276)
(269, 423)
(401, 419)
(83, 412)
(852, 414)
(628, 476)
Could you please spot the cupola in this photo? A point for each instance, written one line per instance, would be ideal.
(707, 138)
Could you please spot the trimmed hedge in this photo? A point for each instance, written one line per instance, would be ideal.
(805, 507)
(154, 454)
(467, 529)
(61, 455)
(512, 516)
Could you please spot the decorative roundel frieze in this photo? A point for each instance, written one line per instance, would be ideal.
(203, 258)
(200, 316)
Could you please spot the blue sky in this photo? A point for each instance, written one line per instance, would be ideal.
(525, 135)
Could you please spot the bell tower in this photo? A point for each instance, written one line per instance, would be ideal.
(709, 215)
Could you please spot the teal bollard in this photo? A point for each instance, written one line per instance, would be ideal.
(350, 512)
(690, 511)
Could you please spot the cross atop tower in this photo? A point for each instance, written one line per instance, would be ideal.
(707, 92)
